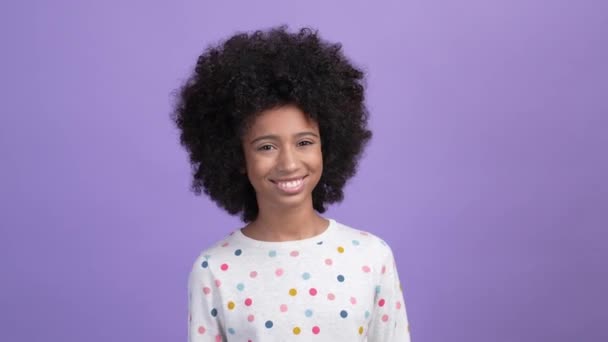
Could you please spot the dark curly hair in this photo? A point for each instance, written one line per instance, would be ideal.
(250, 73)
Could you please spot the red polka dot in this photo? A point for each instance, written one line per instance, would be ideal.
(206, 290)
(331, 296)
(313, 292)
(201, 330)
(381, 302)
(384, 318)
(253, 274)
(248, 301)
(224, 267)
(283, 308)
(225, 244)
(250, 318)
(328, 262)
(279, 272)
(366, 269)
(316, 330)
(218, 283)
(294, 253)
(398, 305)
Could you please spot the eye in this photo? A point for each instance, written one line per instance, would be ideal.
(265, 148)
(305, 142)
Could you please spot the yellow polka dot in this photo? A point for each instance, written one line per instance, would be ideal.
(296, 331)
(360, 330)
(231, 305)
(293, 292)
(340, 249)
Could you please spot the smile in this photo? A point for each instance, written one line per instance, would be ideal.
(291, 186)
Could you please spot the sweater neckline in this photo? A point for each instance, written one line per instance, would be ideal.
(317, 239)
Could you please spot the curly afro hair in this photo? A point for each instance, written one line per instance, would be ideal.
(250, 73)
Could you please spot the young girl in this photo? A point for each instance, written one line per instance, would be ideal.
(275, 123)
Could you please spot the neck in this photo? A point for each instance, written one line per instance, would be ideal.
(286, 224)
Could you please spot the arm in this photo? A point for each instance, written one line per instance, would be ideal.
(203, 323)
(389, 322)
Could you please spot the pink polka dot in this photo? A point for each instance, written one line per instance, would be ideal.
(283, 308)
(218, 338)
(398, 305)
(201, 330)
(381, 302)
(313, 291)
(224, 267)
(331, 296)
(279, 272)
(366, 269)
(248, 301)
(218, 283)
(353, 300)
(206, 290)
(328, 262)
(316, 330)
(225, 244)
(383, 269)
(384, 318)
(251, 318)
(294, 253)
(253, 274)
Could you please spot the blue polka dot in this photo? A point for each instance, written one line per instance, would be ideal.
(308, 313)
(367, 314)
(231, 331)
(240, 287)
(207, 256)
(238, 252)
(356, 242)
(341, 278)
(378, 289)
(214, 312)
(205, 264)
(343, 314)
(272, 254)
(320, 243)
(269, 324)
(305, 275)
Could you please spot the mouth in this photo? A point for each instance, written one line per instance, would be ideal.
(291, 185)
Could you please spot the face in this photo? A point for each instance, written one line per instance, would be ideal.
(283, 158)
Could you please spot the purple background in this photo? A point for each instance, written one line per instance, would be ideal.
(487, 172)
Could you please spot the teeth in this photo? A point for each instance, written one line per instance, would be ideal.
(291, 184)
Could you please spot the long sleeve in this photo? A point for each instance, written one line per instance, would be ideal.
(389, 319)
(203, 325)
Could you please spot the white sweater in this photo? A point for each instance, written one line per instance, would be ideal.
(341, 285)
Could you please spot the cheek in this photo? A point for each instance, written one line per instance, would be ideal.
(258, 167)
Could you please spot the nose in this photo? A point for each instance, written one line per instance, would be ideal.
(288, 161)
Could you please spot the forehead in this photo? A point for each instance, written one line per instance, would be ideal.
(286, 120)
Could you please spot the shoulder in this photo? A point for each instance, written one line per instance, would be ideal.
(219, 250)
(370, 244)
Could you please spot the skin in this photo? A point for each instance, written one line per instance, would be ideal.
(283, 143)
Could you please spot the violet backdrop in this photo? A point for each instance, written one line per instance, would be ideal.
(486, 174)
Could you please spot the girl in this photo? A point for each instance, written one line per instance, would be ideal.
(274, 124)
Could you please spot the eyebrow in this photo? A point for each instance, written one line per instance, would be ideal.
(276, 137)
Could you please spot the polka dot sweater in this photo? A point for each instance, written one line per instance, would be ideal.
(341, 285)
